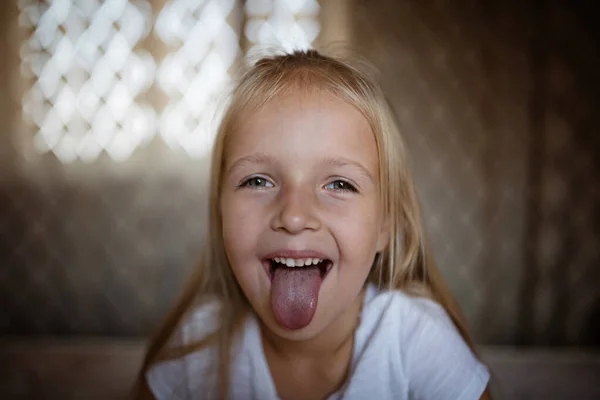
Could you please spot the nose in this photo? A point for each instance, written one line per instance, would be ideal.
(296, 211)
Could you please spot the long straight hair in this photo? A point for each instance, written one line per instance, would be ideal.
(405, 264)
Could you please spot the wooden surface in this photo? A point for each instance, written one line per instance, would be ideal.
(104, 369)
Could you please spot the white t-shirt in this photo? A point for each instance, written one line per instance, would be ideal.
(404, 348)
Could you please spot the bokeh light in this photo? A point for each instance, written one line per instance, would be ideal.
(93, 74)
(88, 74)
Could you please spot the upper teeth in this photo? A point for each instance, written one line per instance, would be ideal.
(297, 262)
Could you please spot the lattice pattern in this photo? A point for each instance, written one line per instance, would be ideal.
(88, 75)
(194, 76)
(91, 70)
(284, 24)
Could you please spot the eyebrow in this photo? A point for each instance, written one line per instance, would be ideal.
(343, 162)
(255, 158)
(264, 158)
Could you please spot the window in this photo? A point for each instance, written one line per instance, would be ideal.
(88, 72)
(288, 24)
(94, 74)
(194, 74)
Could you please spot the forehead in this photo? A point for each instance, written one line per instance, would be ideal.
(305, 122)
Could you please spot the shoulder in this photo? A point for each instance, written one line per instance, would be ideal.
(433, 357)
(405, 312)
(201, 321)
(169, 379)
(402, 323)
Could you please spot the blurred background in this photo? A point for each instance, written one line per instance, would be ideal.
(109, 108)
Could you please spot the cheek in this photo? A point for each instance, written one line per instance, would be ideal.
(241, 224)
(235, 223)
(357, 235)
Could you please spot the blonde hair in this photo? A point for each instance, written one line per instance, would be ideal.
(405, 264)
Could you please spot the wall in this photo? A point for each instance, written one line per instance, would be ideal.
(496, 103)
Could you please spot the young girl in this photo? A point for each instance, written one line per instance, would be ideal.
(316, 281)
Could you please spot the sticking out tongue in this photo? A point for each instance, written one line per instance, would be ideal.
(294, 295)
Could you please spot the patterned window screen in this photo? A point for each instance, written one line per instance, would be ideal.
(196, 72)
(88, 69)
(91, 69)
(286, 24)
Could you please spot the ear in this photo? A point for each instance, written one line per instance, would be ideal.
(383, 237)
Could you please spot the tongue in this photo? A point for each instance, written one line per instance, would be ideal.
(294, 295)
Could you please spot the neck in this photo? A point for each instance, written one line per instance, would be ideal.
(335, 339)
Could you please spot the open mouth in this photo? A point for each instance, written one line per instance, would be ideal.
(324, 265)
(296, 278)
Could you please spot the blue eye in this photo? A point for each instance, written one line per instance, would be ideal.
(256, 182)
(341, 186)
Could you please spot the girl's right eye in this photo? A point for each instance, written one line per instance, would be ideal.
(256, 182)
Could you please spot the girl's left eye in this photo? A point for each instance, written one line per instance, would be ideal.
(256, 182)
(341, 186)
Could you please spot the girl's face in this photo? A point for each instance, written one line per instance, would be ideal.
(300, 187)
